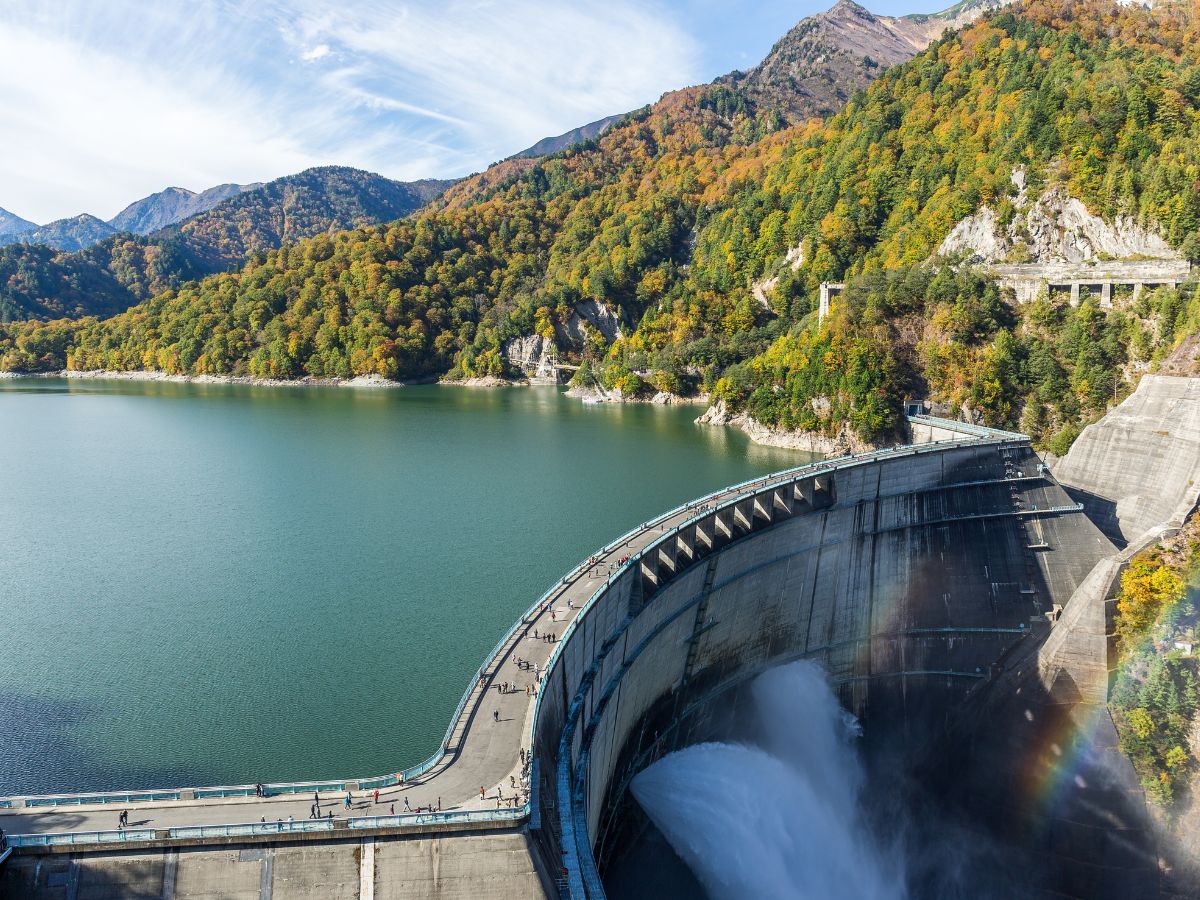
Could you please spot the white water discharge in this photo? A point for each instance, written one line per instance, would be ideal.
(781, 820)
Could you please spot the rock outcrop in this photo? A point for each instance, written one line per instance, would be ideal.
(844, 442)
(596, 314)
(535, 356)
(1057, 228)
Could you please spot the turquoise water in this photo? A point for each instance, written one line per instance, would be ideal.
(214, 584)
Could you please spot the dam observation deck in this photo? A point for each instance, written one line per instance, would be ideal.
(547, 759)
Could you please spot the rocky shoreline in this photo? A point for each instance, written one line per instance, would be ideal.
(662, 398)
(717, 414)
(843, 443)
(143, 375)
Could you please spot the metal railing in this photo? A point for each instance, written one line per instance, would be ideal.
(52, 839)
(99, 798)
(447, 817)
(300, 826)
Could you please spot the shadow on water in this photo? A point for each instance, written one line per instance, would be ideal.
(47, 759)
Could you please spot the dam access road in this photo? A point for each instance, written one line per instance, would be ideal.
(913, 574)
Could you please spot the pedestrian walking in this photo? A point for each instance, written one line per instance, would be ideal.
(317, 799)
(347, 800)
(392, 812)
(496, 714)
(439, 804)
(312, 811)
(376, 795)
(407, 808)
(481, 794)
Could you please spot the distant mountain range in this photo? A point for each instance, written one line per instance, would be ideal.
(83, 266)
(172, 205)
(142, 217)
(587, 132)
(11, 223)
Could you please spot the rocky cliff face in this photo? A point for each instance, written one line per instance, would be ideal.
(534, 355)
(845, 441)
(1057, 228)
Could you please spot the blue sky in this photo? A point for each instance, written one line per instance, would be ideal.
(105, 102)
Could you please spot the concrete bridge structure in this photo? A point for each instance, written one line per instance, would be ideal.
(929, 580)
(1102, 279)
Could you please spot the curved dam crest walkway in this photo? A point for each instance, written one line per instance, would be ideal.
(483, 747)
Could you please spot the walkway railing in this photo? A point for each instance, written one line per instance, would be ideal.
(53, 839)
(734, 493)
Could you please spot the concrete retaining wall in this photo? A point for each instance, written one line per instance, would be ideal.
(1139, 467)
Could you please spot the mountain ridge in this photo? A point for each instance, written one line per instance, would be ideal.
(828, 57)
(122, 269)
(11, 223)
(173, 204)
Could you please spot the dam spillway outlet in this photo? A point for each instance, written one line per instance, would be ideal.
(780, 818)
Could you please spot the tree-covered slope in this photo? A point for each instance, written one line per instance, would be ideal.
(125, 269)
(671, 218)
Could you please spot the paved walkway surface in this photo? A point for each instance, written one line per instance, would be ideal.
(484, 748)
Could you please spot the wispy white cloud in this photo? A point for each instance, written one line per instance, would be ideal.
(320, 51)
(104, 103)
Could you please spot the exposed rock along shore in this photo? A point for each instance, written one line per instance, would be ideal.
(143, 375)
(844, 442)
(596, 394)
(717, 414)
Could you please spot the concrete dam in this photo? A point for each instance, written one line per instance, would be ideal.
(952, 589)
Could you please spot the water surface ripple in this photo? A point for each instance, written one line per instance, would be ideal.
(215, 584)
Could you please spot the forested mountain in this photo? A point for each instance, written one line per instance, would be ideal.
(171, 205)
(316, 201)
(124, 269)
(74, 233)
(12, 224)
(670, 220)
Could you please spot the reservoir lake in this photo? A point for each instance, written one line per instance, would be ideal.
(225, 584)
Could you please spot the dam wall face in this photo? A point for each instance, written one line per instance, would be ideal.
(911, 575)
